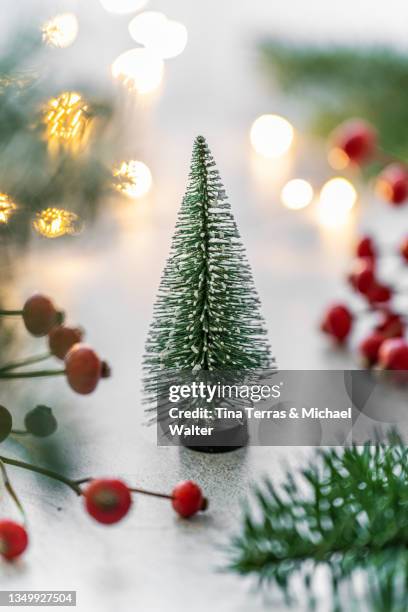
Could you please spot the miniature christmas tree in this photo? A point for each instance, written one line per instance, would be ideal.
(206, 316)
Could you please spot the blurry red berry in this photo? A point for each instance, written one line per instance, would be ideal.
(61, 339)
(392, 184)
(404, 249)
(107, 501)
(13, 539)
(357, 139)
(366, 248)
(378, 294)
(369, 348)
(393, 354)
(40, 315)
(390, 325)
(83, 368)
(362, 276)
(337, 322)
(187, 499)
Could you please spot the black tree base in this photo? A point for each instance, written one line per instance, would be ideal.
(223, 440)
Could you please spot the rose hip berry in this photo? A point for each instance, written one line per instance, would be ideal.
(83, 369)
(187, 499)
(369, 348)
(404, 249)
(40, 315)
(390, 325)
(61, 339)
(366, 248)
(378, 294)
(13, 539)
(393, 354)
(357, 139)
(337, 322)
(392, 184)
(362, 276)
(107, 500)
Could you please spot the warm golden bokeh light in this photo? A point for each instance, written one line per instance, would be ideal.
(121, 7)
(338, 159)
(271, 135)
(7, 208)
(60, 31)
(56, 222)
(68, 122)
(133, 178)
(337, 198)
(139, 70)
(163, 36)
(297, 194)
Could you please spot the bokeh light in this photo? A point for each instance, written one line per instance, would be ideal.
(56, 222)
(60, 31)
(297, 194)
(68, 122)
(139, 70)
(7, 208)
(271, 135)
(163, 36)
(122, 7)
(337, 198)
(338, 159)
(133, 178)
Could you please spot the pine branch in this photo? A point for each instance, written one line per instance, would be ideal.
(347, 511)
(342, 82)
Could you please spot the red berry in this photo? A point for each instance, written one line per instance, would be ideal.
(404, 249)
(378, 294)
(107, 501)
(13, 539)
(337, 322)
(357, 139)
(366, 248)
(40, 315)
(390, 325)
(83, 369)
(392, 184)
(187, 499)
(369, 348)
(362, 276)
(393, 354)
(61, 339)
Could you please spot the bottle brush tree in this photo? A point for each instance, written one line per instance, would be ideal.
(207, 313)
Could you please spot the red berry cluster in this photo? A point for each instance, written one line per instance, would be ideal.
(108, 501)
(358, 142)
(83, 367)
(385, 346)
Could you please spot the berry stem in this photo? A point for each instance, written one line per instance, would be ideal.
(34, 374)
(144, 492)
(44, 471)
(11, 313)
(11, 491)
(29, 361)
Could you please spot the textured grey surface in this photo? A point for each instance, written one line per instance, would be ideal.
(106, 279)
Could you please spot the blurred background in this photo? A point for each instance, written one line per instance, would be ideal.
(99, 104)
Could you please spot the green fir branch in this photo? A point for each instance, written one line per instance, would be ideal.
(341, 82)
(347, 511)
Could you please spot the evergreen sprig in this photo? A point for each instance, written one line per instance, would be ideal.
(347, 510)
(342, 82)
(206, 317)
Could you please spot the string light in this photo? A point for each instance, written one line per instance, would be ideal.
(271, 135)
(139, 70)
(56, 222)
(297, 194)
(153, 30)
(60, 31)
(122, 7)
(133, 178)
(67, 121)
(337, 198)
(7, 208)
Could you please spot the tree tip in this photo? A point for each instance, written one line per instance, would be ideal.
(200, 140)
